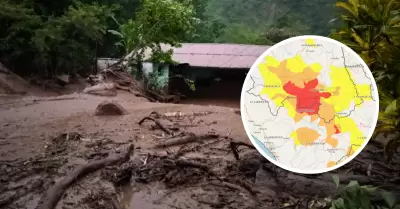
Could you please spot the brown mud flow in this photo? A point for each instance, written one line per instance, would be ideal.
(222, 93)
(183, 156)
(214, 86)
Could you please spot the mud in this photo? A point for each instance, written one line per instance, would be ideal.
(44, 138)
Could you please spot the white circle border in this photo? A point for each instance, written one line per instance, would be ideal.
(255, 66)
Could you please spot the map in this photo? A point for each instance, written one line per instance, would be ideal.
(309, 104)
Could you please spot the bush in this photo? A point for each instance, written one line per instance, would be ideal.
(36, 41)
(364, 197)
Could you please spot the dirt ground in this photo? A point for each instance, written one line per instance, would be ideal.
(191, 164)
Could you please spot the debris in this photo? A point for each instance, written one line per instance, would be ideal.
(50, 199)
(242, 187)
(181, 114)
(185, 140)
(95, 79)
(11, 83)
(236, 111)
(144, 96)
(123, 80)
(110, 108)
(157, 122)
(3, 69)
(186, 163)
(63, 79)
(234, 147)
(102, 89)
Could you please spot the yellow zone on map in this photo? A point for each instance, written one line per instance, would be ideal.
(344, 95)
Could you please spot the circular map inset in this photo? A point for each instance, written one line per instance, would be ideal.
(309, 104)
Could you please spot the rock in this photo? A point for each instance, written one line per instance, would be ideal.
(236, 111)
(63, 79)
(250, 163)
(10, 83)
(110, 108)
(100, 87)
(3, 69)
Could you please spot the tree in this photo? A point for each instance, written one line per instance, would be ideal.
(242, 34)
(157, 22)
(50, 43)
(261, 18)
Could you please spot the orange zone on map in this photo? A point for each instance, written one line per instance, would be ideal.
(303, 85)
(306, 136)
(331, 163)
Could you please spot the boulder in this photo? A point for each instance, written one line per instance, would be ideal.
(110, 108)
(102, 89)
(10, 83)
(63, 79)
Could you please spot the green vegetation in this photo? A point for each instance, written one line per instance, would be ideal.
(48, 38)
(157, 22)
(363, 197)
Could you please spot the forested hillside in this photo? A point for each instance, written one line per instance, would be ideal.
(50, 37)
(254, 21)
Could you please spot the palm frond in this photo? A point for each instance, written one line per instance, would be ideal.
(350, 8)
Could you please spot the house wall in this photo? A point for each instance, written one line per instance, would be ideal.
(157, 75)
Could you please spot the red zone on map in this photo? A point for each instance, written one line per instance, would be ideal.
(307, 98)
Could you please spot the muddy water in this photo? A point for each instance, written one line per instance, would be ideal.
(225, 94)
(131, 198)
(234, 103)
(154, 196)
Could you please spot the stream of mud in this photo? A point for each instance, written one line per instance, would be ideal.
(195, 161)
(233, 103)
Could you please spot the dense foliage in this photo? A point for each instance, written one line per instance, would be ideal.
(53, 37)
(363, 197)
(257, 21)
(37, 37)
(157, 22)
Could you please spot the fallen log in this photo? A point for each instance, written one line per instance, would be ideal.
(124, 88)
(53, 195)
(139, 94)
(234, 147)
(228, 185)
(144, 96)
(185, 149)
(181, 114)
(98, 89)
(190, 164)
(186, 140)
(115, 203)
(157, 122)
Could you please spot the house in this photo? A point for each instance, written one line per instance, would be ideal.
(217, 70)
